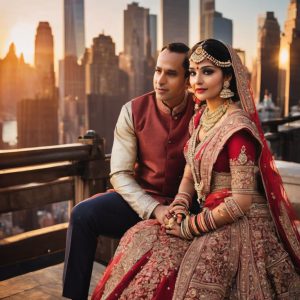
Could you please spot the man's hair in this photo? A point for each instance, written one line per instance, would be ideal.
(180, 48)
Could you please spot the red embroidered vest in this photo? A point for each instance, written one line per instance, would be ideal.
(160, 139)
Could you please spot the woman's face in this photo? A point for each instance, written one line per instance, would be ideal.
(206, 80)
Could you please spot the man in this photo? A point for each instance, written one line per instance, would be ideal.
(146, 167)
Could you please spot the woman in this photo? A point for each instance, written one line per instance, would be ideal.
(231, 250)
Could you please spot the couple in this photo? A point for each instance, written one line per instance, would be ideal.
(231, 248)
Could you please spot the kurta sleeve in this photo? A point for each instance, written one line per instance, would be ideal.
(123, 159)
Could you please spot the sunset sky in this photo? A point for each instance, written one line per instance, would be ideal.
(19, 19)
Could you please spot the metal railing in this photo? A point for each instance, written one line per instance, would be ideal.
(33, 177)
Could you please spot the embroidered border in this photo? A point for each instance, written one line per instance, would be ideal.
(287, 227)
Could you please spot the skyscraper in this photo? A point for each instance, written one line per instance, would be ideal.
(72, 73)
(37, 116)
(137, 51)
(289, 71)
(74, 28)
(175, 21)
(213, 24)
(44, 60)
(106, 89)
(207, 9)
(153, 35)
(72, 99)
(267, 56)
(17, 80)
(37, 122)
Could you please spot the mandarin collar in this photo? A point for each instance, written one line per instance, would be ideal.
(175, 110)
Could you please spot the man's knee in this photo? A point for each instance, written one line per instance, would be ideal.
(90, 209)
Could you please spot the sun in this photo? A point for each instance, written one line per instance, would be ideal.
(283, 57)
(22, 35)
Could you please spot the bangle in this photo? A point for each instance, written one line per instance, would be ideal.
(233, 208)
(185, 230)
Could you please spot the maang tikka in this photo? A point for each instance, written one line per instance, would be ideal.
(200, 54)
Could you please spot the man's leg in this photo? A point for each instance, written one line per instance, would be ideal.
(106, 214)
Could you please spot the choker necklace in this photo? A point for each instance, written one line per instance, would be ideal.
(210, 119)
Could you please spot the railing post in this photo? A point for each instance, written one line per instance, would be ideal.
(90, 170)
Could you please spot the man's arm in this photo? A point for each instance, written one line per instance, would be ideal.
(123, 159)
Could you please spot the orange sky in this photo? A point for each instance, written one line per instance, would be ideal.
(19, 19)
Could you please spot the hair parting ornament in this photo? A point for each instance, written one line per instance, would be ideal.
(200, 54)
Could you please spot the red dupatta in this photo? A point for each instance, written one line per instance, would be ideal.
(281, 209)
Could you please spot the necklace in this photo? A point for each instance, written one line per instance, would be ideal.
(209, 119)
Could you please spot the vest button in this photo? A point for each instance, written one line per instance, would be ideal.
(170, 141)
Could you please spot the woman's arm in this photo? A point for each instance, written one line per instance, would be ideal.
(179, 208)
(242, 155)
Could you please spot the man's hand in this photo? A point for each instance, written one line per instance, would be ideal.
(160, 213)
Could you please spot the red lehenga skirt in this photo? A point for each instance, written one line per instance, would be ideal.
(243, 260)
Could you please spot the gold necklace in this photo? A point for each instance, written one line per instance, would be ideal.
(210, 119)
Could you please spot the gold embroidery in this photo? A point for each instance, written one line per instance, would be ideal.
(287, 227)
(242, 82)
(234, 122)
(242, 159)
(220, 180)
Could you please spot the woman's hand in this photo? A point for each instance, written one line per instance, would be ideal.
(173, 229)
(180, 212)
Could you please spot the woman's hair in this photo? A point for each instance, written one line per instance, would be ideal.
(220, 52)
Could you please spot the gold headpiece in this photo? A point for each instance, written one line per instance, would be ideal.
(200, 54)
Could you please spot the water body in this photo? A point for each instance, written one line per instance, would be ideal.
(9, 133)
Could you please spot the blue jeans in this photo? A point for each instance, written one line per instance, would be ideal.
(104, 214)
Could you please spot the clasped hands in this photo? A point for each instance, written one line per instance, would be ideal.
(171, 216)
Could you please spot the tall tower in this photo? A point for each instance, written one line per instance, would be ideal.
(17, 80)
(153, 35)
(103, 67)
(44, 60)
(213, 24)
(74, 28)
(72, 100)
(175, 21)
(136, 48)
(106, 90)
(207, 9)
(289, 71)
(267, 56)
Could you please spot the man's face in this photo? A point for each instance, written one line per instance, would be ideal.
(169, 81)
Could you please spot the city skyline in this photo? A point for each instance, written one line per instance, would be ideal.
(19, 21)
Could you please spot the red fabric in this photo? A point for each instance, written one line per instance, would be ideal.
(216, 198)
(97, 294)
(275, 191)
(114, 295)
(233, 149)
(161, 138)
(166, 288)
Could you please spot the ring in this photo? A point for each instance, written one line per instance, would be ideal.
(170, 223)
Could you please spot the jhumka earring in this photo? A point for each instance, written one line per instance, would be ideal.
(226, 91)
(197, 103)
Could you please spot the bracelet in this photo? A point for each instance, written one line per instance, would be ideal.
(184, 229)
(233, 208)
(200, 223)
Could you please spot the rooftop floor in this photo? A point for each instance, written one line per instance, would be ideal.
(42, 284)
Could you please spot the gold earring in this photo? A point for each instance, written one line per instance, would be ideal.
(226, 91)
